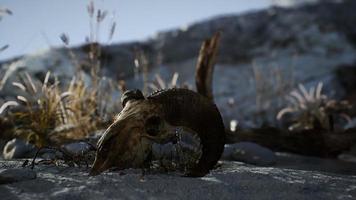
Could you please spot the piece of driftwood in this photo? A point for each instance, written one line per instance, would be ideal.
(320, 143)
(316, 142)
(205, 66)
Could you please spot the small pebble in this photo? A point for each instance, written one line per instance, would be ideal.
(250, 153)
(347, 157)
(77, 148)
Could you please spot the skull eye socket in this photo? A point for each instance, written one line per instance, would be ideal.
(153, 125)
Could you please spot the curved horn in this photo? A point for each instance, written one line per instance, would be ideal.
(183, 107)
(205, 66)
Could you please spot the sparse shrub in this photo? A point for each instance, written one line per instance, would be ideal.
(48, 114)
(313, 110)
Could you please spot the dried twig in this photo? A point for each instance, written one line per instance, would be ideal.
(66, 157)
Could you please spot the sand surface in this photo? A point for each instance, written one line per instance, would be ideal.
(231, 180)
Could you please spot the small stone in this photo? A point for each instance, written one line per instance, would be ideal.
(49, 156)
(347, 157)
(77, 148)
(15, 175)
(250, 153)
(17, 148)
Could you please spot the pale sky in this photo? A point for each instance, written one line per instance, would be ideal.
(36, 24)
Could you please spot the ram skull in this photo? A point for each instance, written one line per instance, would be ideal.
(127, 143)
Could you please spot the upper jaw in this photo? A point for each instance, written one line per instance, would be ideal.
(131, 158)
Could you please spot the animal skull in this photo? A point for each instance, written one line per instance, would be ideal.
(127, 143)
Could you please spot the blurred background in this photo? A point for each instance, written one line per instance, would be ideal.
(39, 23)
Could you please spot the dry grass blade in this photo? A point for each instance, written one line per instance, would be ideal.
(160, 81)
(3, 48)
(5, 11)
(66, 95)
(19, 85)
(304, 92)
(45, 81)
(22, 98)
(101, 15)
(7, 104)
(294, 102)
(318, 90)
(27, 82)
(153, 86)
(33, 87)
(10, 70)
(284, 111)
(91, 9)
(65, 38)
(112, 31)
(174, 79)
(311, 94)
(299, 98)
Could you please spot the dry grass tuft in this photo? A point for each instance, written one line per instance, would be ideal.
(159, 83)
(313, 110)
(49, 114)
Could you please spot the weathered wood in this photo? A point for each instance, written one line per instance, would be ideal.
(205, 66)
(315, 142)
(307, 142)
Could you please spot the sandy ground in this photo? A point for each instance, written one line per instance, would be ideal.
(311, 179)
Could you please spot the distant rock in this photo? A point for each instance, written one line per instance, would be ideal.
(250, 153)
(264, 55)
(16, 175)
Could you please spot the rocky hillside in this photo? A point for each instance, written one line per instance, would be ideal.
(263, 56)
